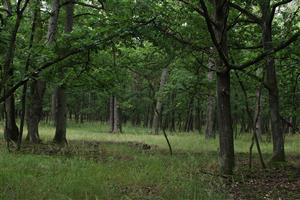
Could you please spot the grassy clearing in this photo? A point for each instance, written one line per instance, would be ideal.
(191, 142)
(112, 168)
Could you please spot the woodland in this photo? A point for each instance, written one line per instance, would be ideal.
(149, 99)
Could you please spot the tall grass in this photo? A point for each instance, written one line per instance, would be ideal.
(126, 172)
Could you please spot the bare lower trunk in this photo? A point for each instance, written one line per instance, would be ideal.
(114, 115)
(258, 121)
(34, 110)
(60, 114)
(189, 117)
(226, 158)
(172, 114)
(211, 106)
(11, 131)
(158, 107)
(225, 123)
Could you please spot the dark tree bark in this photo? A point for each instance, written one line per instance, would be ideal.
(271, 81)
(60, 114)
(34, 111)
(11, 131)
(37, 87)
(59, 93)
(218, 34)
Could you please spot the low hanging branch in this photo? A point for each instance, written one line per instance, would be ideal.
(103, 42)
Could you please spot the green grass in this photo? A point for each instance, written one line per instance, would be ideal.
(192, 142)
(125, 172)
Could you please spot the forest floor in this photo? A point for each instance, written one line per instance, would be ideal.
(137, 165)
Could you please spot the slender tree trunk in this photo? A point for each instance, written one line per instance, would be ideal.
(211, 107)
(158, 107)
(114, 115)
(258, 121)
(294, 101)
(276, 124)
(189, 117)
(172, 114)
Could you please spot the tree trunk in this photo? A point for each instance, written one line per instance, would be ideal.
(114, 115)
(295, 105)
(211, 106)
(37, 87)
(60, 114)
(258, 108)
(172, 114)
(53, 21)
(158, 107)
(223, 90)
(189, 117)
(11, 131)
(34, 111)
(60, 96)
(276, 124)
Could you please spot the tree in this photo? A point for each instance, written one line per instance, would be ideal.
(219, 36)
(158, 107)
(60, 103)
(37, 86)
(271, 81)
(210, 117)
(11, 131)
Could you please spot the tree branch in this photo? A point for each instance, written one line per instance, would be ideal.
(276, 5)
(178, 37)
(198, 10)
(212, 34)
(48, 64)
(263, 55)
(250, 15)
(83, 4)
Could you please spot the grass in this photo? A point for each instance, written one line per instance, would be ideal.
(118, 169)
